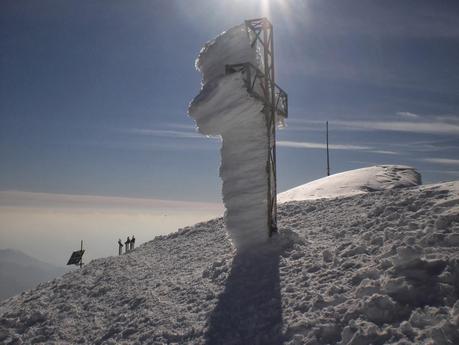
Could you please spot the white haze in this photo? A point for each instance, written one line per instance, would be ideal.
(50, 226)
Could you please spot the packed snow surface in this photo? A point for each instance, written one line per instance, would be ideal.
(352, 182)
(225, 108)
(375, 268)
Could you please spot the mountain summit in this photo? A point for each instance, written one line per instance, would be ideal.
(375, 268)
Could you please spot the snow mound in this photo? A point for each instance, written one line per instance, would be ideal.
(352, 182)
(374, 268)
(225, 108)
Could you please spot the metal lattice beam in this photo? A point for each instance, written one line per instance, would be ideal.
(261, 84)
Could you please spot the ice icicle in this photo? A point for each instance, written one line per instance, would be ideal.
(225, 108)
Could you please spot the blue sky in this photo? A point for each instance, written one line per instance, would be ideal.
(93, 94)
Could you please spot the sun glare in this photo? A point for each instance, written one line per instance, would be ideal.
(269, 7)
(265, 8)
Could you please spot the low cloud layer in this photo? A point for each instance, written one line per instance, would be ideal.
(74, 201)
(407, 114)
(315, 145)
(445, 161)
(429, 125)
(50, 226)
(401, 126)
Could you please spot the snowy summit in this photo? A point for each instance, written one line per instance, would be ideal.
(358, 181)
(374, 268)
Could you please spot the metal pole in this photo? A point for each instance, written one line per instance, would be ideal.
(328, 155)
(273, 136)
(268, 121)
(262, 30)
(268, 60)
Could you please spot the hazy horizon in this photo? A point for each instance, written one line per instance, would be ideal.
(50, 226)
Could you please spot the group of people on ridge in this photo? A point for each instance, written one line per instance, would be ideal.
(129, 245)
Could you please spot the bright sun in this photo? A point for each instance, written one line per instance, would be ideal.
(267, 5)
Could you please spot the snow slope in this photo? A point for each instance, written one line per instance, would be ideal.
(352, 182)
(374, 268)
(225, 108)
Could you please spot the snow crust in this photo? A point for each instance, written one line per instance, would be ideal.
(225, 108)
(230, 47)
(374, 268)
(352, 182)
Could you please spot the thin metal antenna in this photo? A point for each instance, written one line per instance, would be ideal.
(328, 155)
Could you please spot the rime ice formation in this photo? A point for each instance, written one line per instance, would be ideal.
(374, 268)
(225, 108)
(352, 182)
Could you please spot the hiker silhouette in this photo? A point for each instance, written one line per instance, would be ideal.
(120, 247)
(132, 242)
(127, 244)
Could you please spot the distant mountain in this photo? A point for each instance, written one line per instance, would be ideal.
(19, 272)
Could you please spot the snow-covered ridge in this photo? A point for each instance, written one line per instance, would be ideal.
(374, 268)
(225, 108)
(352, 182)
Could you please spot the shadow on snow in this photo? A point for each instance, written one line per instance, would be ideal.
(249, 309)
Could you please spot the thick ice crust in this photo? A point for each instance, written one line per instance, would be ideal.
(225, 108)
(224, 105)
(230, 47)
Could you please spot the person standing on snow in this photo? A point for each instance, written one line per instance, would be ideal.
(132, 242)
(120, 247)
(127, 245)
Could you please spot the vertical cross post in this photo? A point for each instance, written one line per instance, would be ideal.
(260, 84)
(262, 31)
(81, 261)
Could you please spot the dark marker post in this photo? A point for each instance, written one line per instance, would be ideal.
(81, 250)
(77, 257)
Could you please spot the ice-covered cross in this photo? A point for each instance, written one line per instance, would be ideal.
(240, 102)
